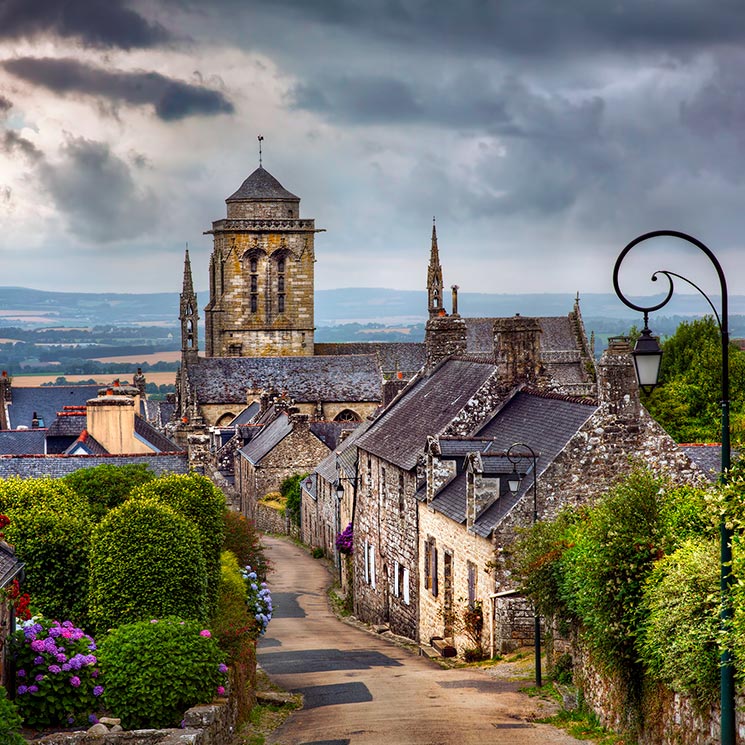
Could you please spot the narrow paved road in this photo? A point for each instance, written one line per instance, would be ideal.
(361, 689)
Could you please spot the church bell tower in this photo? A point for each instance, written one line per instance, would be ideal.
(261, 274)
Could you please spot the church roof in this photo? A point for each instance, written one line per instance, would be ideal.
(408, 357)
(261, 186)
(305, 379)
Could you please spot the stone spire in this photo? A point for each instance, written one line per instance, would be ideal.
(434, 278)
(188, 315)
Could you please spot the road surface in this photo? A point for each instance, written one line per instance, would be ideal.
(362, 689)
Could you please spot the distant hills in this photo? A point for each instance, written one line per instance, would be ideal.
(603, 313)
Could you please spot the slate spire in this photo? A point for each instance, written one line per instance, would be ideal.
(434, 278)
(188, 315)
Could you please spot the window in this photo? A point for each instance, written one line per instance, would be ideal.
(281, 284)
(254, 302)
(254, 283)
(281, 303)
(430, 566)
(472, 588)
(369, 560)
(254, 265)
(401, 583)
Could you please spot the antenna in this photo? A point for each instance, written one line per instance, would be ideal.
(261, 139)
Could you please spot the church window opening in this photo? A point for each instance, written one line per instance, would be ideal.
(254, 266)
(254, 303)
(281, 266)
(281, 303)
(346, 415)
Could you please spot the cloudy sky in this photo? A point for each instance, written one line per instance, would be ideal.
(543, 136)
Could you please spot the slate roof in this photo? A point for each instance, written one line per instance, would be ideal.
(427, 407)
(87, 443)
(267, 440)
(261, 186)
(557, 334)
(68, 423)
(57, 466)
(345, 454)
(46, 401)
(407, 357)
(708, 457)
(461, 446)
(245, 416)
(157, 412)
(306, 379)
(544, 421)
(329, 433)
(22, 441)
(159, 441)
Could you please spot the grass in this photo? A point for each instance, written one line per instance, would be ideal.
(584, 725)
(263, 719)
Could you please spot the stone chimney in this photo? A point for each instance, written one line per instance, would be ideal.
(139, 382)
(618, 389)
(111, 421)
(444, 336)
(455, 289)
(517, 350)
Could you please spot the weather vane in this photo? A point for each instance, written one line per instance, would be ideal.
(261, 139)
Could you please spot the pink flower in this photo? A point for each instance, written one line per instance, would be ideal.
(205, 633)
(220, 690)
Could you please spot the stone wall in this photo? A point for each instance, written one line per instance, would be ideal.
(464, 547)
(514, 623)
(208, 724)
(386, 517)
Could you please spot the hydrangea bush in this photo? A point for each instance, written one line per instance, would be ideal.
(58, 678)
(155, 670)
(345, 541)
(258, 599)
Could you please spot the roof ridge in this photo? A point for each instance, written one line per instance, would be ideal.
(555, 395)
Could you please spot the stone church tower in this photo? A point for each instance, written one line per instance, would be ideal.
(261, 274)
(188, 315)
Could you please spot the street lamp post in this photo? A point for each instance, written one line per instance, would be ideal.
(514, 484)
(647, 355)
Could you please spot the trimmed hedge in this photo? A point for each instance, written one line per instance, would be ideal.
(155, 670)
(146, 562)
(106, 486)
(19, 495)
(198, 499)
(55, 549)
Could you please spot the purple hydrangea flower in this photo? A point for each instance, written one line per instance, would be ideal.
(39, 678)
(33, 689)
(222, 667)
(55, 669)
(66, 667)
(38, 660)
(37, 645)
(21, 690)
(21, 673)
(61, 658)
(97, 690)
(95, 673)
(75, 681)
(93, 719)
(54, 631)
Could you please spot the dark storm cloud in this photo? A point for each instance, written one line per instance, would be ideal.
(5, 104)
(97, 193)
(95, 23)
(536, 28)
(172, 99)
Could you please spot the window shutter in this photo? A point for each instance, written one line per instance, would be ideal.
(372, 566)
(434, 571)
(396, 570)
(407, 598)
(366, 558)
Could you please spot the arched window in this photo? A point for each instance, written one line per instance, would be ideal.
(281, 267)
(347, 415)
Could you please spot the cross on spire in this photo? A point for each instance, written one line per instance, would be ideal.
(261, 139)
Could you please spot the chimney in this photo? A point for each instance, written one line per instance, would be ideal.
(618, 389)
(35, 421)
(455, 289)
(517, 349)
(111, 421)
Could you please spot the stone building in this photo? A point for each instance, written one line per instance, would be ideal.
(468, 516)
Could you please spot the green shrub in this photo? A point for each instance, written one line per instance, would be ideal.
(55, 549)
(18, 495)
(107, 486)
(200, 501)
(146, 562)
(290, 490)
(679, 644)
(232, 625)
(155, 670)
(244, 540)
(604, 570)
(57, 673)
(10, 721)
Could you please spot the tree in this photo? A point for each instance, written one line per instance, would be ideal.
(290, 490)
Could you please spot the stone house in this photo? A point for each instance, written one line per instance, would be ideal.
(287, 445)
(468, 517)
